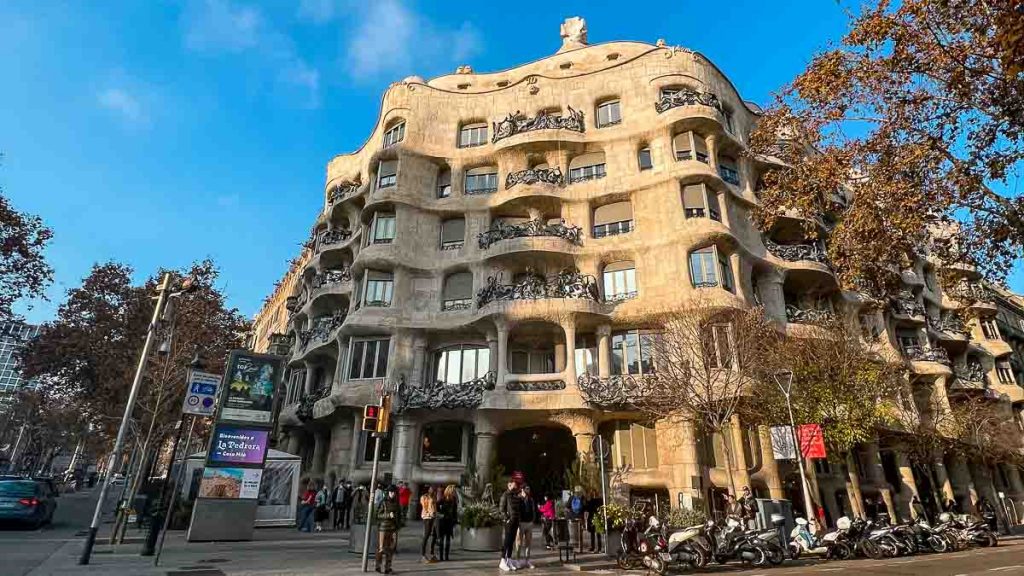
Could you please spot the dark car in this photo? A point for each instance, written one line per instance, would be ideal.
(28, 502)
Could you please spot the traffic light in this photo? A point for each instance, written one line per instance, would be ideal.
(371, 414)
(383, 420)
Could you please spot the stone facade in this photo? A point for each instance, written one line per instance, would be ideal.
(500, 235)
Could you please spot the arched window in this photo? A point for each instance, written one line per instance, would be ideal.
(587, 167)
(690, 146)
(457, 292)
(701, 202)
(619, 281)
(482, 180)
(474, 134)
(395, 134)
(462, 363)
(453, 233)
(608, 113)
(612, 219)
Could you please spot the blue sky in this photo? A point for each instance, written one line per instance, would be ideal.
(159, 132)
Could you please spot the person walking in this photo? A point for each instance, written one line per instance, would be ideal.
(306, 504)
(343, 496)
(510, 507)
(404, 497)
(526, 522)
(547, 518)
(593, 504)
(322, 502)
(428, 513)
(387, 527)
(447, 517)
(337, 496)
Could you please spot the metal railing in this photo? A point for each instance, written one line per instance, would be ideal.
(518, 123)
(568, 283)
(531, 228)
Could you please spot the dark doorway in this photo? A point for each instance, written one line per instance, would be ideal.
(542, 454)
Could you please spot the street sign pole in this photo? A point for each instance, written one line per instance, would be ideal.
(382, 423)
(604, 495)
(174, 491)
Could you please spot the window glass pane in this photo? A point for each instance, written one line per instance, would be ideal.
(726, 273)
(724, 344)
(368, 359)
(630, 280)
(382, 359)
(644, 156)
(454, 367)
(385, 447)
(646, 353)
(632, 350)
(693, 201)
(357, 359)
(442, 442)
(442, 366)
(713, 209)
(618, 362)
(468, 365)
(520, 362)
(483, 361)
(453, 230)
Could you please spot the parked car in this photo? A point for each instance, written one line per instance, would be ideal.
(27, 502)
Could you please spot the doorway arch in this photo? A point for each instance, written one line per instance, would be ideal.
(541, 453)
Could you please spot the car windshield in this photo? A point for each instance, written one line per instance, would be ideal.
(18, 488)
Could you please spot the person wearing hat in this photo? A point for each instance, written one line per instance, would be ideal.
(387, 526)
(510, 508)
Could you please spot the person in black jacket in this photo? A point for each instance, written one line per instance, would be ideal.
(387, 524)
(527, 519)
(510, 507)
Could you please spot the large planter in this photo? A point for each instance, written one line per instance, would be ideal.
(481, 539)
(612, 543)
(356, 538)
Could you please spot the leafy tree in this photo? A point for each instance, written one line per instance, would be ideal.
(24, 272)
(919, 112)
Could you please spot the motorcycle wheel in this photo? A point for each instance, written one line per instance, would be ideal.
(794, 551)
(760, 557)
(776, 555)
(625, 561)
(841, 551)
(870, 549)
(889, 550)
(702, 556)
(938, 544)
(658, 566)
(991, 541)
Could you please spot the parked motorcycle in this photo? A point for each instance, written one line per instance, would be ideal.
(926, 539)
(629, 555)
(680, 548)
(830, 546)
(732, 543)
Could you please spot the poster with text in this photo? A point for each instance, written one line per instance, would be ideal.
(235, 445)
(251, 381)
(230, 483)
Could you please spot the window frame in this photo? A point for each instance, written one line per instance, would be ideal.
(394, 135)
(705, 211)
(989, 329)
(386, 181)
(439, 358)
(452, 244)
(723, 357)
(444, 190)
(387, 288)
(353, 342)
(628, 277)
(1004, 372)
(487, 176)
(588, 172)
(474, 129)
(375, 228)
(640, 161)
(614, 104)
(729, 174)
(620, 355)
(712, 251)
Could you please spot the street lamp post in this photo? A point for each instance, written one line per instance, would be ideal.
(163, 291)
(785, 381)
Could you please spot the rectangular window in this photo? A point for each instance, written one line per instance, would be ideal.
(444, 184)
(608, 114)
(368, 359)
(612, 228)
(727, 118)
(632, 352)
(723, 265)
(644, 159)
(718, 346)
(387, 174)
(379, 288)
(481, 183)
(1005, 373)
(394, 135)
(702, 268)
(453, 234)
(620, 284)
(383, 229)
(582, 173)
(729, 173)
(988, 328)
(474, 135)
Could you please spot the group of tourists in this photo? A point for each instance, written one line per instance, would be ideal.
(319, 503)
(439, 511)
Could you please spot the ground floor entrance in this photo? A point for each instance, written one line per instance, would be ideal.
(543, 454)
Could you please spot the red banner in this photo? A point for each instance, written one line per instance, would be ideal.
(812, 440)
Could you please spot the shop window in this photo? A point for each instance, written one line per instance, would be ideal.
(613, 219)
(463, 363)
(473, 135)
(633, 352)
(394, 135)
(442, 442)
(368, 358)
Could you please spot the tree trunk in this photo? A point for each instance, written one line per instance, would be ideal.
(727, 445)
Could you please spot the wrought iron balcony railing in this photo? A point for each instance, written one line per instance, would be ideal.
(797, 315)
(456, 304)
(971, 292)
(620, 391)
(538, 227)
(321, 330)
(613, 228)
(518, 123)
(906, 304)
(686, 97)
(342, 190)
(329, 237)
(620, 296)
(437, 394)
(304, 411)
(730, 175)
(568, 283)
(922, 354)
(797, 252)
(535, 385)
(281, 344)
(972, 372)
(552, 176)
(949, 323)
(331, 277)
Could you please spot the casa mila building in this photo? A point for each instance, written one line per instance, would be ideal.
(496, 252)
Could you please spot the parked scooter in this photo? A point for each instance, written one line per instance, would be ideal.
(805, 541)
(629, 555)
(680, 548)
(732, 543)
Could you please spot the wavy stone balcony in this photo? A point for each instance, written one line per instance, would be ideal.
(329, 239)
(687, 98)
(343, 190)
(531, 176)
(922, 354)
(437, 394)
(330, 278)
(906, 306)
(320, 332)
(304, 410)
(949, 326)
(530, 229)
(566, 284)
(973, 294)
(519, 123)
(619, 392)
(797, 315)
(971, 377)
(797, 252)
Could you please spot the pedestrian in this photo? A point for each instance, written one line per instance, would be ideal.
(428, 513)
(387, 527)
(574, 512)
(547, 517)
(749, 507)
(360, 504)
(404, 496)
(590, 509)
(510, 507)
(306, 505)
(343, 504)
(526, 521)
(447, 517)
(321, 511)
(988, 513)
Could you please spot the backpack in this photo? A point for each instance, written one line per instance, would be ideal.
(576, 505)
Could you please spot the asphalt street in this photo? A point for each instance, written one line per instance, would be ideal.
(22, 550)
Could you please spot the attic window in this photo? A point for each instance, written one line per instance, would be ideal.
(463, 86)
(613, 56)
(565, 65)
(503, 83)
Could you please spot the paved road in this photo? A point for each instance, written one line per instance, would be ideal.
(22, 549)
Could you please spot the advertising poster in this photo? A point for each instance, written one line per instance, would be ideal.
(230, 483)
(249, 396)
(234, 445)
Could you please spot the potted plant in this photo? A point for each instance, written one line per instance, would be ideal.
(684, 518)
(617, 515)
(481, 527)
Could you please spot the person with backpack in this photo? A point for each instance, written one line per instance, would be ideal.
(510, 507)
(574, 511)
(342, 504)
(322, 502)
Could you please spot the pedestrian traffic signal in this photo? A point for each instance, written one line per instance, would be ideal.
(371, 413)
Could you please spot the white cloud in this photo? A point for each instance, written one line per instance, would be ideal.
(377, 48)
(218, 25)
(123, 103)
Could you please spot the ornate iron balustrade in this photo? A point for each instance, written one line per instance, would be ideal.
(552, 176)
(518, 123)
(620, 297)
(972, 372)
(437, 394)
(949, 323)
(797, 252)
(907, 305)
(321, 330)
(331, 277)
(568, 283)
(342, 190)
(687, 97)
(808, 315)
(971, 292)
(453, 305)
(304, 411)
(452, 245)
(625, 391)
(922, 354)
(334, 236)
(537, 386)
(539, 227)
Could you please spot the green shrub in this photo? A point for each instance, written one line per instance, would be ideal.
(479, 515)
(617, 516)
(683, 518)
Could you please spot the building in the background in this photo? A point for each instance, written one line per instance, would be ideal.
(13, 337)
(501, 246)
(273, 316)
